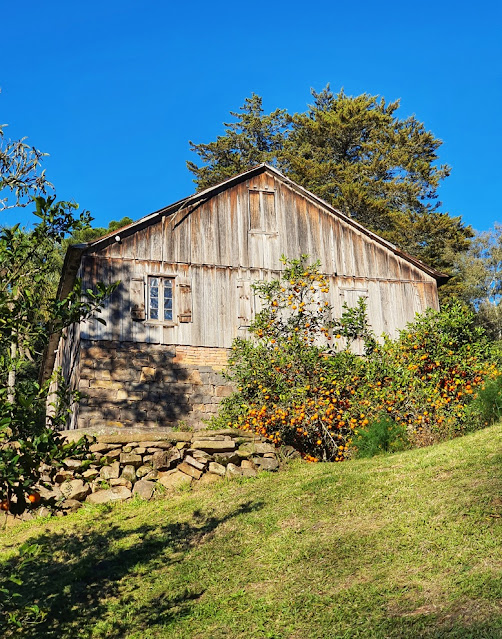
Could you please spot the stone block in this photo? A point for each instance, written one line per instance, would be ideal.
(148, 374)
(53, 493)
(101, 374)
(121, 481)
(96, 352)
(233, 471)
(70, 505)
(144, 489)
(189, 470)
(194, 377)
(110, 472)
(165, 459)
(117, 493)
(142, 471)
(125, 374)
(129, 473)
(131, 415)
(217, 469)
(227, 458)
(132, 459)
(98, 384)
(174, 479)
(63, 475)
(101, 448)
(75, 489)
(100, 395)
(223, 391)
(72, 464)
(266, 463)
(213, 446)
(200, 465)
(209, 478)
(90, 474)
(131, 396)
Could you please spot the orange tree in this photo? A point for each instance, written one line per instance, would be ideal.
(294, 387)
(427, 378)
(299, 383)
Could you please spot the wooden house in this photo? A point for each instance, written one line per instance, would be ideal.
(185, 293)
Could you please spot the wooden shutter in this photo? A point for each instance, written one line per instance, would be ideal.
(138, 299)
(245, 302)
(255, 223)
(268, 201)
(184, 301)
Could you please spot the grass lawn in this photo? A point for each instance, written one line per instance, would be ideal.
(405, 546)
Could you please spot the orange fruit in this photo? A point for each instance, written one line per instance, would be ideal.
(34, 498)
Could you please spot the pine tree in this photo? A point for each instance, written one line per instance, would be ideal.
(360, 157)
(253, 139)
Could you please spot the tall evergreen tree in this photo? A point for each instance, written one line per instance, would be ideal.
(358, 155)
(252, 139)
(481, 269)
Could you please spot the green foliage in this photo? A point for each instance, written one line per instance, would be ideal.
(253, 139)
(30, 312)
(487, 406)
(299, 382)
(11, 614)
(358, 155)
(21, 175)
(481, 270)
(383, 435)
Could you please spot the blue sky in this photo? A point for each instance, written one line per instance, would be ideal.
(114, 91)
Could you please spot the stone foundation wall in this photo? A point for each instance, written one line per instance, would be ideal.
(149, 385)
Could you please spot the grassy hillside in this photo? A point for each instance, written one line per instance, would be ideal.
(403, 546)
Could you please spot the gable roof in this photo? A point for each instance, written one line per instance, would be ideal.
(75, 252)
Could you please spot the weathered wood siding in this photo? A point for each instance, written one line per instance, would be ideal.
(67, 362)
(215, 249)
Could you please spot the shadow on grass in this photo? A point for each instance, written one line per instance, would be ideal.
(82, 576)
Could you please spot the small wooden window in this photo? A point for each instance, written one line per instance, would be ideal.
(262, 214)
(160, 299)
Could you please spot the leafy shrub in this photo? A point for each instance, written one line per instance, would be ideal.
(486, 407)
(383, 435)
(299, 383)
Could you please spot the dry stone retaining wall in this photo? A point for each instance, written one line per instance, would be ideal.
(126, 463)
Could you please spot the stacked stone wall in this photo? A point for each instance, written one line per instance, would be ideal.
(149, 385)
(123, 464)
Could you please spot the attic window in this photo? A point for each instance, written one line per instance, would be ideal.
(160, 298)
(262, 214)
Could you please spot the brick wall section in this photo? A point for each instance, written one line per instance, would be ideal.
(149, 386)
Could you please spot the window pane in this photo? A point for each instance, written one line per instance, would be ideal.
(153, 298)
(168, 300)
